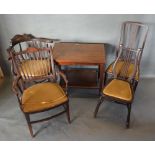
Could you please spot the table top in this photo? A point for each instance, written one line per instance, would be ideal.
(79, 53)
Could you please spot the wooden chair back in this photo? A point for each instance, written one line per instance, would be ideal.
(20, 43)
(129, 60)
(131, 45)
(34, 63)
(133, 36)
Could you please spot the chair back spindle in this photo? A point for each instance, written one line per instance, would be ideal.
(28, 42)
(129, 53)
(34, 63)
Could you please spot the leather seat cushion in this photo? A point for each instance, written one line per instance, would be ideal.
(42, 96)
(119, 89)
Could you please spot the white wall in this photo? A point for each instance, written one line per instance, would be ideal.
(85, 28)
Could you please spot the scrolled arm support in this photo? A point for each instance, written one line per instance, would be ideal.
(16, 88)
(65, 80)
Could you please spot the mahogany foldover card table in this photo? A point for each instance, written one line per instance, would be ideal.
(81, 54)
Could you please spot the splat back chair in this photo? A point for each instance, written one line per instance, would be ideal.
(133, 36)
(28, 41)
(35, 98)
(121, 87)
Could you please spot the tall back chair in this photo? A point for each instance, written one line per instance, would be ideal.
(23, 42)
(133, 37)
(121, 87)
(35, 64)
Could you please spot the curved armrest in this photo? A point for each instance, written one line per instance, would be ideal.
(17, 90)
(15, 85)
(65, 80)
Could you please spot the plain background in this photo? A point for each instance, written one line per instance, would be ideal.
(102, 28)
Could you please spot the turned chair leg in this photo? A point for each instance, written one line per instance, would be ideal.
(128, 116)
(68, 112)
(135, 85)
(98, 105)
(29, 124)
(105, 78)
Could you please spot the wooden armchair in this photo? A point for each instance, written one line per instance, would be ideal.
(37, 64)
(125, 71)
(133, 36)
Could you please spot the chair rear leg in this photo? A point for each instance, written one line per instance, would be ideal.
(135, 85)
(27, 116)
(68, 112)
(98, 105)
(128, 116)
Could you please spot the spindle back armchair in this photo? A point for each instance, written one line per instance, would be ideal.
(35, 64)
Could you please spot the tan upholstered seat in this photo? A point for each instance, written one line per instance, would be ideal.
(118, 68)
(118, 89)
(35, 68)
(42, 96)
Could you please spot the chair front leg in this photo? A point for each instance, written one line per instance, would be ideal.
(98, 105)
(128, 116)
(68, 112)
(135, 85)
(27, 116)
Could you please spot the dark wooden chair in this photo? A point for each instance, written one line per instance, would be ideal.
(21, 42)
(37, 64)
(133, 36)
(125, 69)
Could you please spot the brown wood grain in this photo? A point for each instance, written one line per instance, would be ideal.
(88, 54)
(79, 53)
(82, 78)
